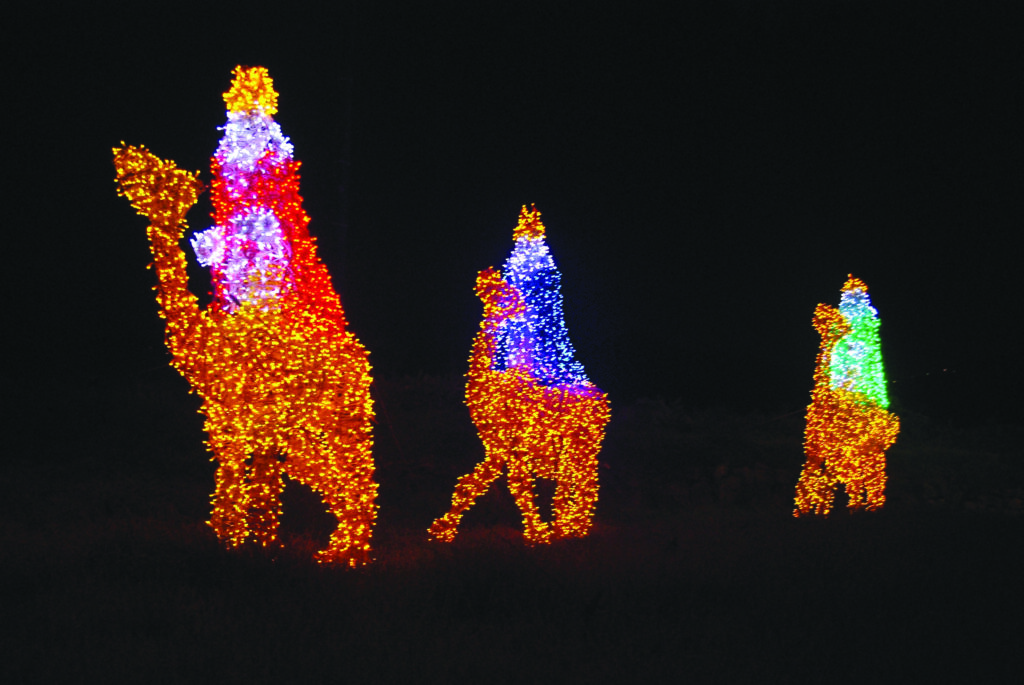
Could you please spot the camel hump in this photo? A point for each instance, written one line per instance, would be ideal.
(156, 188)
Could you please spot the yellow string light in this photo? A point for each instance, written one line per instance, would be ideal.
(529, 225)
(251, 89)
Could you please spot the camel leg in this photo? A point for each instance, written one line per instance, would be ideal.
(855, 493)
(815, 491)
(265, 486)
(866, 487)
(353, 503)
(467, 489)
(230, 497)
(520, 482)
(875, 478)
(340, 470)
(874, 483)
(576, 492)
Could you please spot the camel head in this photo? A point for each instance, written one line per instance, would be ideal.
(502, 300)
(830, 324)
(156, 188)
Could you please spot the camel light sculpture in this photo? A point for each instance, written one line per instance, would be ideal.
(848, 427)
(536, 412)
(284, 383)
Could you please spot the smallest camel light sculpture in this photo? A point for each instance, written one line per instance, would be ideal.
(848, 428)
(536, 412)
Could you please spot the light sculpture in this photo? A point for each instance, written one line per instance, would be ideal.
(284, 383)
(848, 427)
(536, 412)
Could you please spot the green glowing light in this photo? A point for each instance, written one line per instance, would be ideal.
(857, 359)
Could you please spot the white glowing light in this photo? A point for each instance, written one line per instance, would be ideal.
(248, 137)
(538, 341)
(251, 258)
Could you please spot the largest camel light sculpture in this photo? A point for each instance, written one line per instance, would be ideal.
(285, 385)
(848, 428)
(536, 412)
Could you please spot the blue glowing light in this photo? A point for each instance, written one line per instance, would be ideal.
(538, 341)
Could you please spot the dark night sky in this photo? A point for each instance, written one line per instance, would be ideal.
(707, 175)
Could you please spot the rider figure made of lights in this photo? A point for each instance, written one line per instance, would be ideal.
(536, 412)
(848, 427)
(284, 383)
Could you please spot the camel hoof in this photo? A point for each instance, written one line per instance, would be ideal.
(352, 557)
(442, 531)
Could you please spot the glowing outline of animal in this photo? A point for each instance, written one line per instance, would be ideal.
(533, 430)
(285, 385)
(847, 434)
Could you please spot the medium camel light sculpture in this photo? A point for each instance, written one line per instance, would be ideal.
(536, 412)
(284, 383)
(848, 427)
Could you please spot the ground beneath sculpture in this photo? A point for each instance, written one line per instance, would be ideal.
(695, 567)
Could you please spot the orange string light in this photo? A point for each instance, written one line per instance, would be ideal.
(285, 385)
(532, 429)
(847, 431)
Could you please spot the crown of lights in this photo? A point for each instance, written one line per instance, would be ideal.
(848, 428)
(536, 412)
(285, 385)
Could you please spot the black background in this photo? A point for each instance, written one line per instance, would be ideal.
(708, 172)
